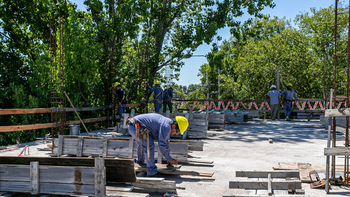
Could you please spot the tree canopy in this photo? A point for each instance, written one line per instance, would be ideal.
(303, 52)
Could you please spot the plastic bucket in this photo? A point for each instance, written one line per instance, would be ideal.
(74, 129)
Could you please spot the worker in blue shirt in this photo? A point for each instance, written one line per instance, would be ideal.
(288, 96)
(160, 128)
(167, 96)
(158, 94)
(120, 98)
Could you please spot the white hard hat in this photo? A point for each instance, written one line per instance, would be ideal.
(273, 86)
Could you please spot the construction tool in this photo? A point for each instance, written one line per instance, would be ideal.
(81, 121)
(143, 134)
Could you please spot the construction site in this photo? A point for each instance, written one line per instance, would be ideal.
(229, 147)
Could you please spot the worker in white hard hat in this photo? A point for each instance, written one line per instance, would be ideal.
(159, 128)
(274, 101)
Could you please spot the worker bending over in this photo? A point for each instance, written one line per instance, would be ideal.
(158, 94)
(159, 128)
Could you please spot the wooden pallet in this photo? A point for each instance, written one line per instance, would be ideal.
(268, 183)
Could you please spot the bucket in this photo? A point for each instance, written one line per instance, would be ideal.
(74, 129)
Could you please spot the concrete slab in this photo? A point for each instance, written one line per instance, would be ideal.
(245, 147)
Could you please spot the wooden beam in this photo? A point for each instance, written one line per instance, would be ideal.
(344, 151)
(46, 125)
(337, 112)
(34, 177)
(24, 111)
(263, 184)
(264, 174)
(26, 127)
(100, 177)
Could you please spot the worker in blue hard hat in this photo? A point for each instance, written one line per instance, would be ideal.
(274, 101)
(167, 96)
(158, 95)
(159, 128)
(288, 96)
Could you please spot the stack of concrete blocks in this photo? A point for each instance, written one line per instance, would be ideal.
(198, 123)
(216, 119)
(236, 116)
(309, 115)
(122, 126)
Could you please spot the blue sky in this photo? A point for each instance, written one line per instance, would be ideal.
(283, 8)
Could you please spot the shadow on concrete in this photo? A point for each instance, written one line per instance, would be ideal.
(262, 130)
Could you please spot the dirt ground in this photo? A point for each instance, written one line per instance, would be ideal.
(246, 147)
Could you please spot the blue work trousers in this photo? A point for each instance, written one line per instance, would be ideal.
(157, 105)
(142, 156)
(287, 108)
(170, 106)
(121, 110)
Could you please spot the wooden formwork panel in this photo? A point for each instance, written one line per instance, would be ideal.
(48, 179)
(118, 170)
(85, 146)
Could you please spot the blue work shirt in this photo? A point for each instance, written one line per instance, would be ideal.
(158, 92)
(160, 128)
(168, 94)
(274, 94)
(289, 95)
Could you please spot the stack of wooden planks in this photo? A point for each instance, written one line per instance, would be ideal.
(268, 183)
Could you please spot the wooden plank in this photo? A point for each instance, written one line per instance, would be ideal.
(24, 111)
(143, 168)
(105, 143)
(280, 192)
(26, 127)
(111, 193)
(118, 170)
(262, 184)
(159, 185)
(49, 188)
(337, 112)
(100, 177)
(80, 146)
(269, 188)
(60, 145)
(45, 125)
(337, 151)
(34, 177)
(264, 174)
(131, 145)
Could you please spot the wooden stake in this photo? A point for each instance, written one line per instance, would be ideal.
(76, 113)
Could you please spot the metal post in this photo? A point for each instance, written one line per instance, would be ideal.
(218, 83)
(278, 87)
(328, 144)
(207, 85)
